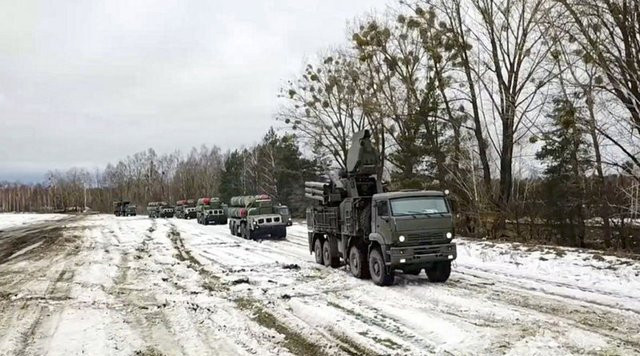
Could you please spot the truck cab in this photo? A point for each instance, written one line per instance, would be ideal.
(132, 210)
(414, 230)
(284, 212)
(166, 211)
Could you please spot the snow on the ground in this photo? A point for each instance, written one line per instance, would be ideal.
(136, 285)
(9, 220)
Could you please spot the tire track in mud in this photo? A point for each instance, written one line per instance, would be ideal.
(142, 309)
(61, 247)
(294, 341)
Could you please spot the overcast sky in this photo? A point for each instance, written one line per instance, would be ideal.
(84, 83)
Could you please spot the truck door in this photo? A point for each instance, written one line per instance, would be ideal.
(382, 220)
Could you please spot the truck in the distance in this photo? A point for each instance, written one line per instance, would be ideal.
(376, 232)
(120, 207)
(253, 217)
(210, 211)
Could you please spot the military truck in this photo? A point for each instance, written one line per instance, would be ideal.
(376, 232)
(210, 211)
(179, 209)
(165, 210)
(253, 217)
(132, 210)
(120, 207)
(153, 209)
(190, 210)
(283, 210)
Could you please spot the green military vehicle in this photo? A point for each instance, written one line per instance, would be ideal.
(376, 232)
(253, 217)
(283, 210)
(131, 210)
(210, 211)
(120, 207)
(165, 210)
(153, 209)
(179, 210)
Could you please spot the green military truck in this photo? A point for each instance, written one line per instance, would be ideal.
(165, 210)
(120, 207)
(153, 209)
(179, 209)
(210, 211)
(131, 210)
(253, 217)
(377, 233)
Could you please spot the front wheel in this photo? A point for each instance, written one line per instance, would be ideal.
(439, 272)
(317, 249)
(379, 273)
(358, 263)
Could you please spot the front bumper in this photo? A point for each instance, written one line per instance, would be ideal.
(270, 230)
(420, 255)
(191, 215)
(216, 219)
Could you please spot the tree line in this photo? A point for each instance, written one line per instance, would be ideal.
(527, 110)
(274, 166)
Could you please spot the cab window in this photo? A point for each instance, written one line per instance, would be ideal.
(383, 208)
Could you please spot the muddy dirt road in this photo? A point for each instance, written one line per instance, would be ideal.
(101, 285)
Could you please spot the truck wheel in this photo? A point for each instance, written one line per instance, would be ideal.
(283, 235)
(232, 229)
(439, 272)
(377, 268)
(317, 249)
(327, 256)
(358, 263)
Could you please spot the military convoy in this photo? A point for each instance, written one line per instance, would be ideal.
(377, 232)
(254, 216)
(210, 211)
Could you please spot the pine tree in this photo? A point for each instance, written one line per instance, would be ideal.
(566, 154)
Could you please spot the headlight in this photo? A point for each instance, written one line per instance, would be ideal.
(401, 238)
(449, 235)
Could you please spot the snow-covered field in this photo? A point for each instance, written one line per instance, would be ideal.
(123, 286)
(9, 220)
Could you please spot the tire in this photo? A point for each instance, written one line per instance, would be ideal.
(283, 235)
(358, 263)
(378, 270)
(232, 229)
(204, 221)
(328, 258)
(318, 251)
(439, 272)
(244, 232)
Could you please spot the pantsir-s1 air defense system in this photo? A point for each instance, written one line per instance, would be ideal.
(210, 211)
(253, 217)
(374, 232)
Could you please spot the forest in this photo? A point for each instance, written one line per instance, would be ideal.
(528, 111)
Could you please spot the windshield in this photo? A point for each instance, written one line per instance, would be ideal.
(284, 211)
(418, 205)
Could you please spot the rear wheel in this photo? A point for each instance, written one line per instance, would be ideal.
(329, 259)
(439, 272)
(317, 249)
(379, 273)
(358, 263)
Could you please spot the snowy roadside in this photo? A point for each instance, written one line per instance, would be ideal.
(500, 298)
(135, 285)
(10, 220)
